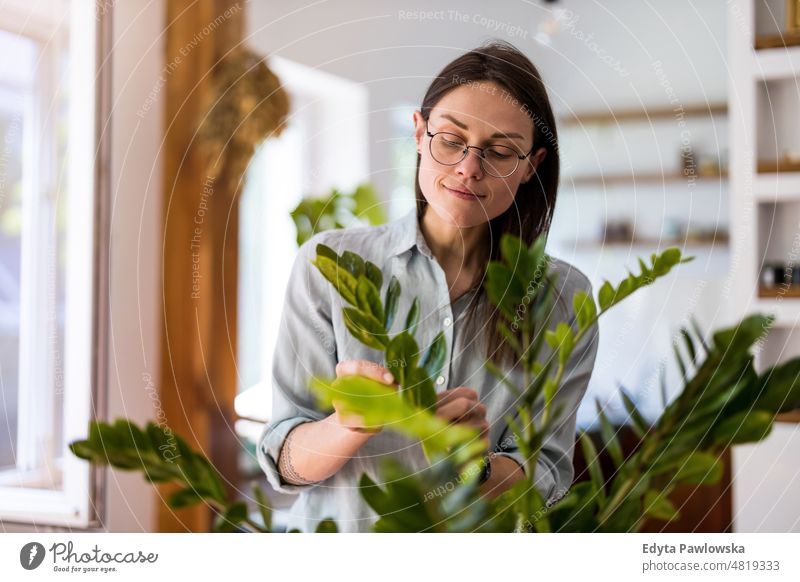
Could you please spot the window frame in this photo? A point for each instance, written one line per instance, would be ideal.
(78, 503)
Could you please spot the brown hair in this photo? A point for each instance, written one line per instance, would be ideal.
(532, 211)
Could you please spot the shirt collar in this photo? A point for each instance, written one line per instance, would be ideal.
(407, 235)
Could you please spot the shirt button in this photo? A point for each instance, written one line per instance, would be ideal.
(447, 321)
(440, 380)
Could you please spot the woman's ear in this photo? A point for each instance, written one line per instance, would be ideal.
(419, 129)
(533, 163)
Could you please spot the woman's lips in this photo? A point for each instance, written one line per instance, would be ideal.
(463, 195)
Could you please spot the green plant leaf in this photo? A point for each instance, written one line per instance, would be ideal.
(232, 518)
(606, 296)
(353, 263)
(744, 427)
(183, 498)
(504, 289)
(368, 298)
(638, 423)
(365, 328)
(326, 251)
(402, 354)
(391, 301)
(779, 391)
(609, 436)
(421, 387)
(263, 505)
(585, 309)
(698, 468)
(327, 526)
(657, 506)
(690, 349)
(381, 405)
(593, 466)
(435, 357)
(412, 319)
(341, 280)
(374, 274)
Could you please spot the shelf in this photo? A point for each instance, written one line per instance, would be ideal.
(786, 292)
(651, 245)
(772, 41)
(793, 416)
(777, 166)
(614, 117)
(644, 178)
(777, 186)
(780, 64)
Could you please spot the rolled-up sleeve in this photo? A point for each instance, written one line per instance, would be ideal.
(305, 348)
(554, 468)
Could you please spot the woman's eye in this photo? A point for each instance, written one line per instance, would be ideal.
(497, 154)
(455, 144)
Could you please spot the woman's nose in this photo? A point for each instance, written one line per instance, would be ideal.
(470, 166)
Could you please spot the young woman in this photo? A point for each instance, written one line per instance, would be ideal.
(487, 164)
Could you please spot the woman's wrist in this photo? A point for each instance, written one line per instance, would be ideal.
(364, 433)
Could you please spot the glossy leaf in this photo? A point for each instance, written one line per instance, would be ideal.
(368, 298)
(341, 280)
(402, 355)
(421, 387)
(657, 506)
(609, 436)
(585, 309)
(327, 526)
(744, 427)
(365, 328)
(593, 466)
(699, 468)
(374, 274)
(380, 405)
(263, 506)
(638, 423)
(353, 263)
(390, 302)
(412, 319)
(232, 518)
(436, 356)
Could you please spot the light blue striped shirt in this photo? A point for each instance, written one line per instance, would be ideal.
(313, 339)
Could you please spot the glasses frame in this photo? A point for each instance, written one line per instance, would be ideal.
(481, 155)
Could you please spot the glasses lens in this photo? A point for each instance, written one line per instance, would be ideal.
(500, 161)
(449, 149)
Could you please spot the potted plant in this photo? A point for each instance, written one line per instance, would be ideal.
(723, 402)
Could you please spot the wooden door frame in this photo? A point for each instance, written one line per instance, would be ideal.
(199, 254)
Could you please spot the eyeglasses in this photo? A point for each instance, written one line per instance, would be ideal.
(496, 160)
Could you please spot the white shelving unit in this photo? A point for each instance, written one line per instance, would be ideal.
(764, 117)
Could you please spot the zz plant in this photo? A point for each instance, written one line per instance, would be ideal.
(724, 401)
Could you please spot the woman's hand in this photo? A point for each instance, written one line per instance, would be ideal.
(368, 370)
(461, 405)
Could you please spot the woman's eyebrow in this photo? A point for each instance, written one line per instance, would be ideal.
(494, 135)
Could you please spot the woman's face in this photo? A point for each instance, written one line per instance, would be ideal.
(482, 114)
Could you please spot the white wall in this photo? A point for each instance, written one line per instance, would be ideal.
(387, 47)
(766, 487)
(135, 245)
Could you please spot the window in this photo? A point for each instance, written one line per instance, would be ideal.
(48, 228)
(324, 146)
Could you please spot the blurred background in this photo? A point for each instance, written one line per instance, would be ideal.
(152, 202)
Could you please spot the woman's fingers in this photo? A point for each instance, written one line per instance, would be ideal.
(364, 368)
(460, 392)
(462, 409)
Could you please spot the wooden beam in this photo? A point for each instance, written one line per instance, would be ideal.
(200, 238)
